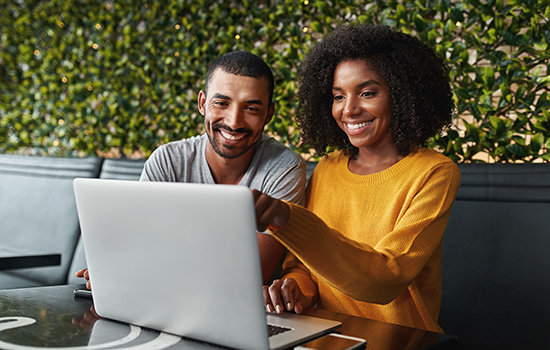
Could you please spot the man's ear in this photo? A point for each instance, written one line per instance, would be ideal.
(270, 112)
(202, 101)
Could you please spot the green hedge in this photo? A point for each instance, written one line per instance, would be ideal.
(86, 77)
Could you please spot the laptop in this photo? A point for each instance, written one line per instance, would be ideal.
(183, 259)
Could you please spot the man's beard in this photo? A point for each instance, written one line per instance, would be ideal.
(228, 151)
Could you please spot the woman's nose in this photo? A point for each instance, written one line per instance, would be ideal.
(351, 107)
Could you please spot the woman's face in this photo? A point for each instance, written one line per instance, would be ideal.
(361, 105)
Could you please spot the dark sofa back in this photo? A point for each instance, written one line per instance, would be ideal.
(496, 266)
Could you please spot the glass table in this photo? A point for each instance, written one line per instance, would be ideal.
(51, 317)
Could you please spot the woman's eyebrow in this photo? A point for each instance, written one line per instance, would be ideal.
(363, 84)
(368, 82)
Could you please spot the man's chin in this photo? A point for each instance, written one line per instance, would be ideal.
(229, 152)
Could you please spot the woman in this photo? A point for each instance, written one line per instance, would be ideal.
(368, 242)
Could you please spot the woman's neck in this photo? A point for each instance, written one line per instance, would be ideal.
(371, 162)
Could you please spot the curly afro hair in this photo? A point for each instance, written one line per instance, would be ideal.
(421, 100)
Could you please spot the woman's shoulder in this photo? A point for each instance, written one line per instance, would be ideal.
(426, 155)
(332, 159)
(430, 160)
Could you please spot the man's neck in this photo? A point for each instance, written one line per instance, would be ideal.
(228, 171)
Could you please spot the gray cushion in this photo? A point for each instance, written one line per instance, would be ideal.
(38, 212)
(310, 166)
(122, 169)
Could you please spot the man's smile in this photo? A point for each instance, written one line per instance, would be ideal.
(231, 136)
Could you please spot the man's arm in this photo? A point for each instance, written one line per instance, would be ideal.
(289, 185)
(271, 252)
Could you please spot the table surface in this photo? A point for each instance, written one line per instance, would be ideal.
(17, 259)
(50, 317)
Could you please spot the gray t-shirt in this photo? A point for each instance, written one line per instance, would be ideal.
(275, 169)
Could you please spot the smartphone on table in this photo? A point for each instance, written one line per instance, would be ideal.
(334, 341)
(82, 293)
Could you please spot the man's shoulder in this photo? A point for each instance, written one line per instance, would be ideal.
(185, 145)
(273, 149)
(278, 171)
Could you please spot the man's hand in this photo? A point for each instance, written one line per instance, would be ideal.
(84, 274)
(88, 320)
(283, 293)
(269, 211)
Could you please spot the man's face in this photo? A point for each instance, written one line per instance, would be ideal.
(235, 112)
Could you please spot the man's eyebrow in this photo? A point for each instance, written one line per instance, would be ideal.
(223, 97)
(255, 102)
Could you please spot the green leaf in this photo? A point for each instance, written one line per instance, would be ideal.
(363, 19)
(496, 122)
(541, 46)
(489, 76)
(536, 142)
(316, 26)
(517, 150)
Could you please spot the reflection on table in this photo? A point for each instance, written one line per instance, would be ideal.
(49, 317)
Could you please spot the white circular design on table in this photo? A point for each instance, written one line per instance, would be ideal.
(163, 340)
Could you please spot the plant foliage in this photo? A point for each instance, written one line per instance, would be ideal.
(86, 77)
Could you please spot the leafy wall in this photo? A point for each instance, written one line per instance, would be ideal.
(121, 77)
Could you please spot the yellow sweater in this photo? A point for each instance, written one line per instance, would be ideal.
(371, 244)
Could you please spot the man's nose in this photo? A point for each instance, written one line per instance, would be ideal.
(235, 118)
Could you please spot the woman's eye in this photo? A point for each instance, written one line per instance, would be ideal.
(338, 98)
(368, 93)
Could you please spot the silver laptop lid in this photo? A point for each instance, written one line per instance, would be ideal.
(144, 243)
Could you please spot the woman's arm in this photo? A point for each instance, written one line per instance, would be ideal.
(376, 274)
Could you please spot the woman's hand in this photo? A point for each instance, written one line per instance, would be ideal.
(283, 293)
(270, 212)
(84, 274)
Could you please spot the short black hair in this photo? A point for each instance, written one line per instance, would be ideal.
(244, 64)
(421, 99)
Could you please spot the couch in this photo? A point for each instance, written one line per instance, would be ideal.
(38, 211)
(495, 269)
(496, 264)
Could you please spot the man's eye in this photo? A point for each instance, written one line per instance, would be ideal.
(220, 103)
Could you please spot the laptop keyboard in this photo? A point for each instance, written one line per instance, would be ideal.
(274, 329)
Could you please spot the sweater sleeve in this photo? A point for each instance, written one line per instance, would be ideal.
(376, 274)
(295, 269)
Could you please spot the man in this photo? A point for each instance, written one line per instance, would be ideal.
(236, 104)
